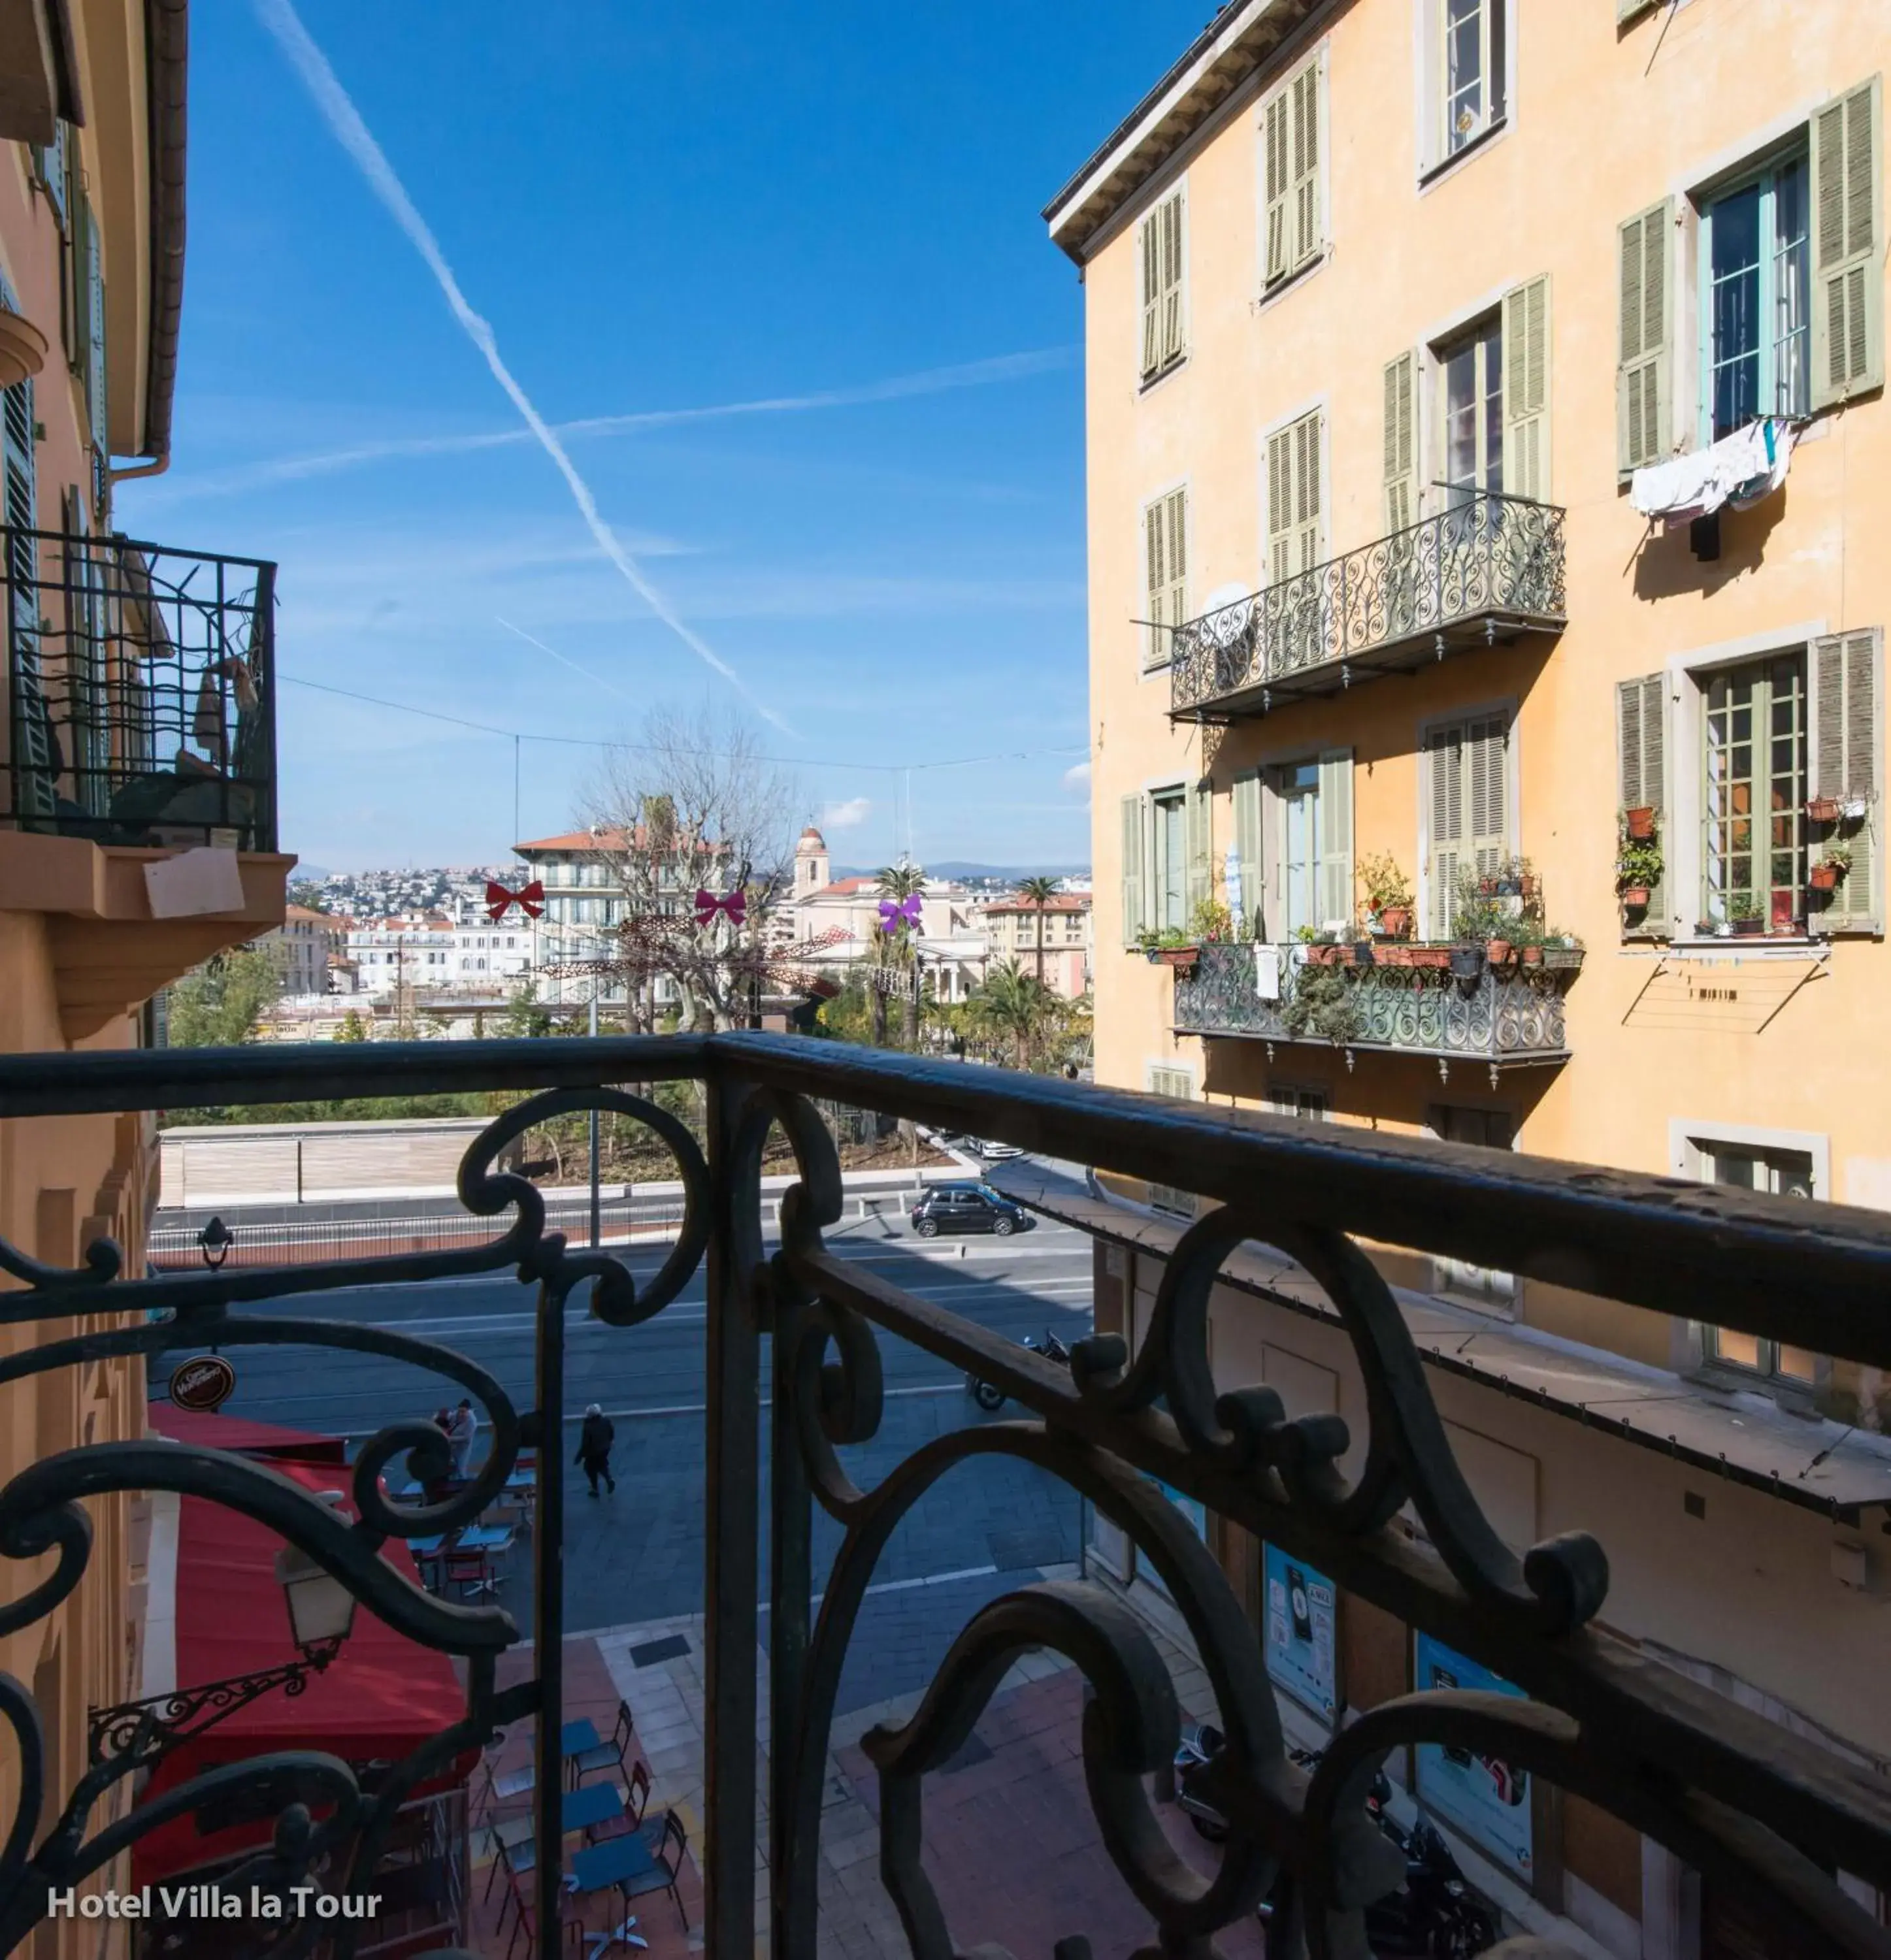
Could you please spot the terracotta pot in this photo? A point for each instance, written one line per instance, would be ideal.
(1533, 956)
(1825, 877)
(1635, 897)
(1182, 957)
(23, 348)
(1498, 952)
(1396, 920)
(1822, 810)
(1322, 955)
(1640, 823)
(1430, 956)
(1526, 885)
(1394, 955)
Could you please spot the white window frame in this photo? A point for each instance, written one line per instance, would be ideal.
(1437, 162)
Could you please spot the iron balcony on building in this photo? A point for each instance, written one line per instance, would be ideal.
(141, 693)
(1485, 571)
(796, 1345)
(1502, 1020)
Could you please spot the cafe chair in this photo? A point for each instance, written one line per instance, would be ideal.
(667, 1856)
(608, 1754)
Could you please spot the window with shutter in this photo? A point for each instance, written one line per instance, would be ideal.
(1444, 788)
(1468, 818)
(1201, 846)
(1293, 134)
(1753, 795)
(1306, 136)
(1163, 250)
(1643, 388)
(1335, 841)
(1641, 711)
(1134, 881)
(1247, 850)
(1848, 349)
(35, 781)
(95, 339)
(1468, 62)
(49, 169)
(1276, 137)
(1848, 687)
(1527, 389)
(1179, 1084)
(1165, 539)
(1296, 532)
(1401, 430)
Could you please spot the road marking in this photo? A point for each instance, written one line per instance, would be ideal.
(906, 1585)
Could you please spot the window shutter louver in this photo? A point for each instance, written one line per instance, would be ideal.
(1445, 787)
(1200, 822)
(1644, 390)
(1641, 746)
(1156, 641)
(1335, 819)
(1275, 141)
(1132, 878)
(1527, 389)
(1308, 529)
(1152, 298)
(1247, 849)
(1172, 279)
(1847, 326)
(1305, 92)
(1401, 442)
(1280, 505)
(95, 341)
(1487, 744)
(1847, 671)
(1631, 10)
(1177, 503)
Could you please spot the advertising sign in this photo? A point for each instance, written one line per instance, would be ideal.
(1196, 1514)
(1301, 1623)
(1480, 1795)
(203, 1383)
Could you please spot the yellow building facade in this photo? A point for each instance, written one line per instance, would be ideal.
(1486, 441)
(128, 739)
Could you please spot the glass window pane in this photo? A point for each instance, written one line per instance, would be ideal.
(1792, 293)
(1742, 1350)
(1463, 70)
(1733, 276)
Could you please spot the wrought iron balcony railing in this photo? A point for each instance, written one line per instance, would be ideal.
(1485, 569)
(1502, 1019)
(141, 689)
(1765, 1811)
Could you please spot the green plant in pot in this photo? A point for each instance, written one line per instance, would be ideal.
(1324, 1005)
(1388, 894)
(1743, 914)
(1639, 868)
(1834, 860)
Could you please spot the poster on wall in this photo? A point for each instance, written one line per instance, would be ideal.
(1197, 1516)
(1485, 1799)
(1301, 1619)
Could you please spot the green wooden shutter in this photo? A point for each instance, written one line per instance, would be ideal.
(1280, 506)
(1276, 152)
(1309, 524)
(1134, 883)
(1176, 520)
(1848, 318)
(1643, 388)
(94, 350)
(1527, 389)
(1632, 10)
(1641, 782)
(1848, 670)
(1335, 840)
(1445, 798)
(49, 167)
(1201, 821)
(1155, 648)
(1172, 257)
(1247, 849)
(1305, 89)
(79, 346)
(1401, 431)
(1487, 787)
(1151, 296)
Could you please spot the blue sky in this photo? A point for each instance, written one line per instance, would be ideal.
(657, 209)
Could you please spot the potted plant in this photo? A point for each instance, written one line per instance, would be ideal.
(1743, 913)
(1467, 962)
(1639, 823)
(1323, 1007)
(1169, 947)
(1388, 895)
(1822, 810)
(1397, 955)
(1834, 862)
(1430, 956)
(1638, 869)
(1562, 951)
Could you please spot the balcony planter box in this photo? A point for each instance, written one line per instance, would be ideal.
(1750, 928)
(1635, 897)
(1822, 810)
(1531, 955)
(1640, 823)
(1396, 921)
(1562, 959)
(1430, 956)
(1825, 877)
(1466, 962)
(1322, 955)
(1359, 953)
(1394, 955)
(1182, 957)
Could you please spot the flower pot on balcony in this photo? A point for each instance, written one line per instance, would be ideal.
(1750, 928)
(1822, 810)
(1562, 959)
(1360, 952)
(1634, 897)
(1531, 955)
(23, 348)
(1182, 957)
(1393, 955)
(1640, 823)
(1825, 877)
(1466, 962)
(1430, 956)
(1396, 921)
(1322, 955)
(1526, 885)
(1498, 951)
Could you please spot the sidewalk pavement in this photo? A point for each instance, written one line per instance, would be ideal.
(1011, 1841)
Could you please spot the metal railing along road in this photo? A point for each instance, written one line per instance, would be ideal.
(1763, 1812)
(1485, 567)
(141, 683)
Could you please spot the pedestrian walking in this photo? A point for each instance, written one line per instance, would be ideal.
(462, 1426)
(594, 1439)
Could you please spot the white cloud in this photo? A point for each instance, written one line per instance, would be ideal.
(1077, 777)
(846, 815)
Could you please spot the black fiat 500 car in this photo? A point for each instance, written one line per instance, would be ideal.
(967, 1208)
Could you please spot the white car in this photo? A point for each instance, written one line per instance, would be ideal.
(991, 1150)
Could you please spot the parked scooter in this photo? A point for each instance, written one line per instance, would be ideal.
(991, 1397)
(1435, 1915)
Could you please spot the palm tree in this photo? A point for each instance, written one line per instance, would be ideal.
(1038, 893)
(898, 883)
(1010, 1003)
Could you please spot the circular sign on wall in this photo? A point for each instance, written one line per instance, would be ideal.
(204, 1383)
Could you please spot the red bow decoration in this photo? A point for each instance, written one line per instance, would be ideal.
(529, 900)
(735, 906)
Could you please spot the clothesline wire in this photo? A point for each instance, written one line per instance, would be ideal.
(517, 735)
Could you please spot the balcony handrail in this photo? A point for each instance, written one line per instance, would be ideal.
(1603, 1722)
(1406, 583)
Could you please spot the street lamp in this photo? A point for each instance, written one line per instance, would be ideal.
(214, 1242)
(321, 1611)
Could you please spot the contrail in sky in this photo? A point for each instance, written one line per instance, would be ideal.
(281, 20)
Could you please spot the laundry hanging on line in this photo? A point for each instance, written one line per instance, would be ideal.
(1735, 473)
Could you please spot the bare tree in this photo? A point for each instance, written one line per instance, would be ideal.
(692, 807)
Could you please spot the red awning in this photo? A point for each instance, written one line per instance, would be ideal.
(381, 1697)
(231, 1431)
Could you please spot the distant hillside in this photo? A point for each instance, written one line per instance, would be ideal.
(959, 867)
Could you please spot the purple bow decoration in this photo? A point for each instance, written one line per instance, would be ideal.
(895, 913)
(735, 906)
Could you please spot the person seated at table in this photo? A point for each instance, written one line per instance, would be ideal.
(594, 1439)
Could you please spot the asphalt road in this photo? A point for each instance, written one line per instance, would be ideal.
(1017, 1286)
